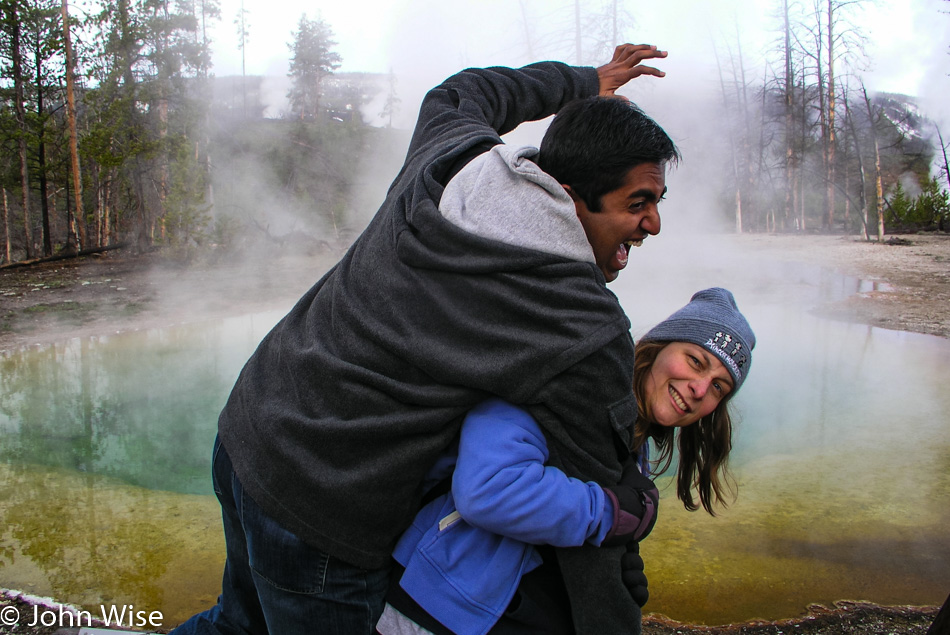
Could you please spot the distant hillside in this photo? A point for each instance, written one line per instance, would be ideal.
(265, 97)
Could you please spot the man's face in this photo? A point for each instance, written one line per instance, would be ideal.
(627, 215)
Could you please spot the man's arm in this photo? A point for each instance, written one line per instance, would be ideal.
(480, 105)
(473, 108)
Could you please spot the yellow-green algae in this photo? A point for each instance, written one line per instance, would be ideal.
(800, 532)
(807, 531)
(89, 540)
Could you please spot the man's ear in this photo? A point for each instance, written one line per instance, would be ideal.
(579, 205)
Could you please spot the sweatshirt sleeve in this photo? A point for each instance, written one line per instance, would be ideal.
(502, 485)
(471, 109)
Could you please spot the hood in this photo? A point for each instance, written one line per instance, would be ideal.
(503, 195)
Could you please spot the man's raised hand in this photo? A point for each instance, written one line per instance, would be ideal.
(626, 65)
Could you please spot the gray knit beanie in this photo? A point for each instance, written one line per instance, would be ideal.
(711, 320)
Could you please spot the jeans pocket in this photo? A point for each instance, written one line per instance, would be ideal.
(278, 556)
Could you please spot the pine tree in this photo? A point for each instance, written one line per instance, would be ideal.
(312, 61)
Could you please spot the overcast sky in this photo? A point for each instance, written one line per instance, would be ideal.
(423, 41)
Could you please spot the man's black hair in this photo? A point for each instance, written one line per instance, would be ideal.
(593, 143)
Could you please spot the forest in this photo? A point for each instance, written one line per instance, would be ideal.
(116, 132)
(812, 149)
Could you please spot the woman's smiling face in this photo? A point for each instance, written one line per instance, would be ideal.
(686, 383)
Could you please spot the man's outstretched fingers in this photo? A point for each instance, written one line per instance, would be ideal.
(626, 65)
(639, 51)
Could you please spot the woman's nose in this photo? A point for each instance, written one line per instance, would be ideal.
(698, 386)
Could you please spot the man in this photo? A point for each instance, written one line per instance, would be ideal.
(480, 275)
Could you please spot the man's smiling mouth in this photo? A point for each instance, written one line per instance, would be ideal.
(623, 251)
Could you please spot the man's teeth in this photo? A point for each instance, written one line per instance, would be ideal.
(633, 243)
(678, 400)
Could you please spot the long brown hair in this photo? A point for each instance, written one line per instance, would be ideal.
(703, 446)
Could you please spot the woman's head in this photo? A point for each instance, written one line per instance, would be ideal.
(712, 321)
(687, 369)
(686, 382)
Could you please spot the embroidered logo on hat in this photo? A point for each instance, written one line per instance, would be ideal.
(721, 345)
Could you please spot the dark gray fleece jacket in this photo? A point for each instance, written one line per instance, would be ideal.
(338, 415)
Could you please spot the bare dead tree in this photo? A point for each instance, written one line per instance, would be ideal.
(878, 181)
(243, 33)
(943, 149)
(863, 197)
(732, 146)
(788, 90)
(830, 142)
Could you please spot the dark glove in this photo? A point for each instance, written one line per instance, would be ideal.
(631, 568)
(635, 500)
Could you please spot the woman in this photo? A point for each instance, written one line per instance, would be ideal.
(705, 432)
(478, 559)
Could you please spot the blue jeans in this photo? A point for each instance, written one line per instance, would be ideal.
(276, 584)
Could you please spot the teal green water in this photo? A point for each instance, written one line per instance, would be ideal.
(842, 458)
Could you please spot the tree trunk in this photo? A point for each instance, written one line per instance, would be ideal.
(946, 164)
(127, 48)
(41, 159)
(760, 166)
(71, 246)
(847, 200)
(79, 216)
(748, 176)
(732, 146)
(107, 204)
(830, 145)
(878, 181)
(789, 119)
(6, 227)
(800, 190)
(20, 109)
(243, 44)
(205, 144)
(61, 256)
(822, 104)
(863, 197)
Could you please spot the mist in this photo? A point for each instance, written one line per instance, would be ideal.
(421, 42)
(288, 196)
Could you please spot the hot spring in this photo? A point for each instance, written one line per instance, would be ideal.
(842, 459)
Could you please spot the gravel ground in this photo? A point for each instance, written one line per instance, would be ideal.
(843, 618)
